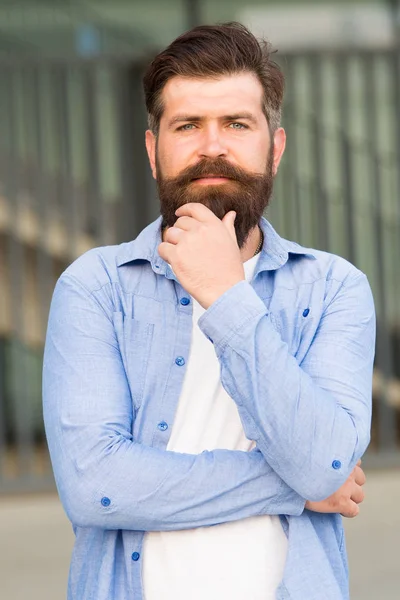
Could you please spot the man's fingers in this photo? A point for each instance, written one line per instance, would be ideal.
(186, 223)
(166, 251)
(357, 495)
(351, 510)
(172, 235)
(359, 476)
(196, 210)
(229, 222)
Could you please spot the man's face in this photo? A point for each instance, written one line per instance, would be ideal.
(214, 147)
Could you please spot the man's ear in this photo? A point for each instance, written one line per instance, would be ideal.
(279, 148)
(151, 151)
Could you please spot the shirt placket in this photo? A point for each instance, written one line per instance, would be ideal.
(178, 358)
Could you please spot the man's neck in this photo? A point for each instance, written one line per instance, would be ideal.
(247, 251)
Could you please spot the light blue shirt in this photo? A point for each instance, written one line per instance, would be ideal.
(296, 351)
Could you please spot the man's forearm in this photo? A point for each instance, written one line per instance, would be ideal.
(310, 420)
(136, 487)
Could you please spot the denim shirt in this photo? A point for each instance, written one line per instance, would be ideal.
(295, 348)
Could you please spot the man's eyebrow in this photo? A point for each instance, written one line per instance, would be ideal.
(184, 118)
(245, 116)
(242, 116)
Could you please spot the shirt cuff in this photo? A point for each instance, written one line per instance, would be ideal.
(225, 317)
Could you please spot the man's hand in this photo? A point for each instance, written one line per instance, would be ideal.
(347, 498)
(203, 252)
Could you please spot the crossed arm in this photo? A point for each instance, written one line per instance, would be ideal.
(88, 418)
(310, 415)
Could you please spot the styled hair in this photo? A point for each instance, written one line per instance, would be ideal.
(215, 51)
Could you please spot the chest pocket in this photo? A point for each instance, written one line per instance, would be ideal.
(297, 330)
(134, 338)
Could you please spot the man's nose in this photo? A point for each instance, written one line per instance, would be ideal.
(212, 144)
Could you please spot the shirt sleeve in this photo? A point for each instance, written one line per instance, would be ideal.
(105, 478)
(311, 420)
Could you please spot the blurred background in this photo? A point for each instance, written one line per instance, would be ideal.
(74, 175)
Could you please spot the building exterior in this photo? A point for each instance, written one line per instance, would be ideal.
(73, 171)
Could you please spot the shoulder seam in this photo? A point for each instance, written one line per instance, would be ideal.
(86, 290)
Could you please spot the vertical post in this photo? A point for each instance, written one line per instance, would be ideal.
(44, 262)
(3, 170)
(148, 206)
(318, 148)
(97, 217)
(126, 221)
(3, 125)
(19, 377)
(395, 79)
(68, 200)
(384, 358)
(138, 193)
(193, 12)
(394, 8)
(347, 166)
(2, 405)
(292, 204)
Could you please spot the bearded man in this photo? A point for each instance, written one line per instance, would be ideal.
(207, 386)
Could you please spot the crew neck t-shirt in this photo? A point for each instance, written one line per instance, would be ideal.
(235, 560)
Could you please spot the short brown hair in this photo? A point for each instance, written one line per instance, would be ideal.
(212, 51)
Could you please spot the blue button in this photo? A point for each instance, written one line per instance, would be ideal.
(306, 312)
(106, 501)
(185, 301)
(180, 361)
(135, 556)
(162, 426)
(336, 464)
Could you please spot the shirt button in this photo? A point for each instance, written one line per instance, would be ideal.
(306, 312)
(180, 361)
(162, 426)
(185, 301)
(106, 501)
(135, 556)
(336, 464)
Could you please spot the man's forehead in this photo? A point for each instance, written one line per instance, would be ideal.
(227, 91)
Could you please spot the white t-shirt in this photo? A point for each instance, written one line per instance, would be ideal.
(232, 561)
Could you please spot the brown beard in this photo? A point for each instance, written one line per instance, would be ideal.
(248, 194)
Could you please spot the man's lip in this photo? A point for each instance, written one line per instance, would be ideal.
(210, 177)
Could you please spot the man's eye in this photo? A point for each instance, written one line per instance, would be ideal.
(238, 126)
(186, 127)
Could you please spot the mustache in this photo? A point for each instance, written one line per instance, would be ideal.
(219, 167)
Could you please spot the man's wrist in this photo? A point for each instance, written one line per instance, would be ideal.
(208, 297)
(230, 311)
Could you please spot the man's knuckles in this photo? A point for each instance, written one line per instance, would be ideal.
(186, 223)
(173, 234)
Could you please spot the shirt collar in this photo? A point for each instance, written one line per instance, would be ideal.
(276, 250)
(274, 253)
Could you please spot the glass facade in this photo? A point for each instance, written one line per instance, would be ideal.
(74, 174)
(132, 27)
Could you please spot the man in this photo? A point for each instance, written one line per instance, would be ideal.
(207, 387)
